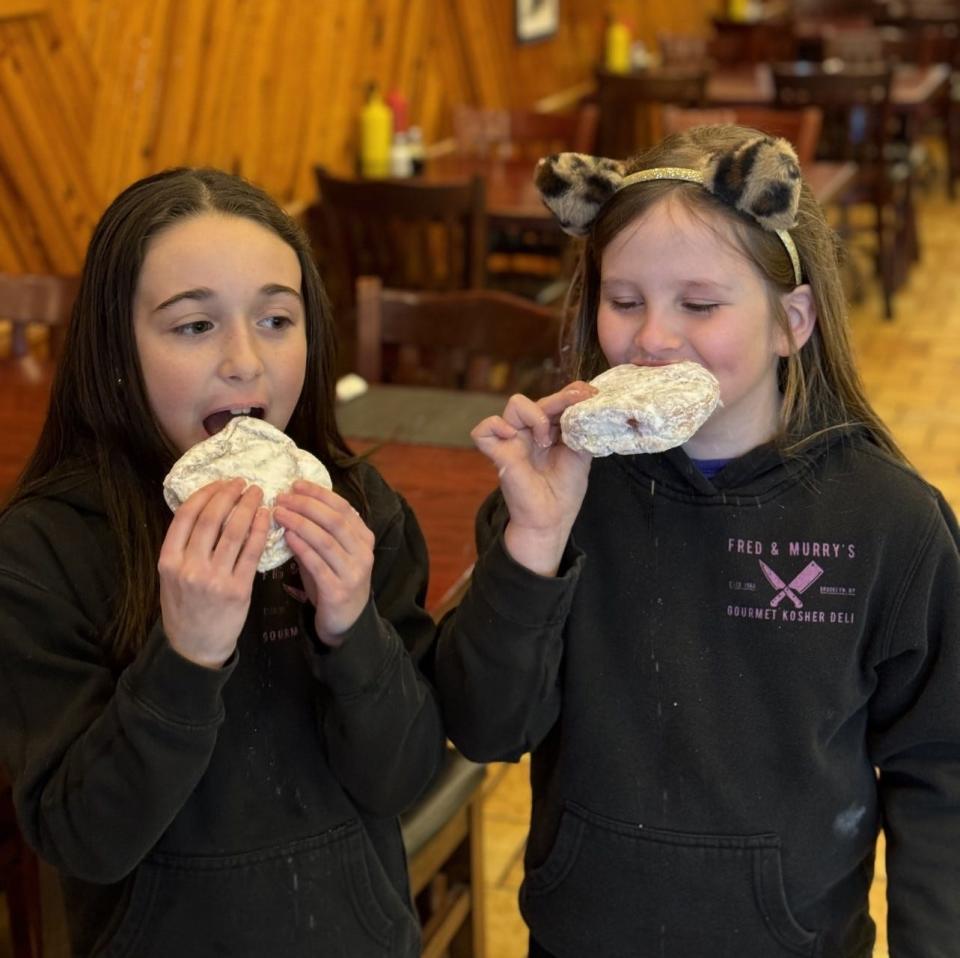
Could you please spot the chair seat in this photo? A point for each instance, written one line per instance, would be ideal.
(456, 782)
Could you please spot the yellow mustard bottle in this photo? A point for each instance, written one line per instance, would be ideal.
(376, 135)
(738, 10)
(617, 58)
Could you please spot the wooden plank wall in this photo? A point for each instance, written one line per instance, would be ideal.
(96, 93)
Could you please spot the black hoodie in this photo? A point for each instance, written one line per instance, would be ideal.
(245, 811)
(727, 690)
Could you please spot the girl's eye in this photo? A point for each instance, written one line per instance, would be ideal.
(277, 322)
(701, 307)
(623, 305)
(194, 328)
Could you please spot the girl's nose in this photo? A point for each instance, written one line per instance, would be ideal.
(656, 333)
(241, 359)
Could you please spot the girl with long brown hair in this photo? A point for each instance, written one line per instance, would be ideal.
(214, 760)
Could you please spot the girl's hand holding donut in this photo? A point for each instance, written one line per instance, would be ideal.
(334, 548)
(543, 482)
(207, 566)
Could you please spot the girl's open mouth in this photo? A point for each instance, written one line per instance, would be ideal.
(217, 420)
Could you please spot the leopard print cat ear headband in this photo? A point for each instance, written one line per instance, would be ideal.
(760, 177)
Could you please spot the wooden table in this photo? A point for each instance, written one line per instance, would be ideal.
(511, 195)
(913, 87)
(419, 440)
(445, 487)
(513, 198)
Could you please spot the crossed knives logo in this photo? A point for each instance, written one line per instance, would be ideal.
(793, 589)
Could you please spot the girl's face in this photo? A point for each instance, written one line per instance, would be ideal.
(218, 319)
(672, 290)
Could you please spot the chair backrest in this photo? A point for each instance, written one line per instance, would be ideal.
(482, 340)
(682, 49)
(801, 127)
(530, 134)
(37, 309)
(864, 44)
(630, 105)
(854, 102)
(411, 234)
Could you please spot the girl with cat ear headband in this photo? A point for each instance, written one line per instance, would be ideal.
(725, 658)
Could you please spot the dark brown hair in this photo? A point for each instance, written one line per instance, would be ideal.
(820, 384)
(99, 418)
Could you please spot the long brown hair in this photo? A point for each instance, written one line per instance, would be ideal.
(821, 387)
(99, 419)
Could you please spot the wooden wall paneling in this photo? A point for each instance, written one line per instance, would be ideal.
(214, 77)
(249, 128)
(284, 146)
(61, 85)
(68, 65)
(9, 9)
(145, 97)
(413, 58)
(339, 94)
(30, 158)
(486, 72)
(226, 89)
(22, 248)
(180, 55)
(117, 100)
(265, 87)
(42, 124)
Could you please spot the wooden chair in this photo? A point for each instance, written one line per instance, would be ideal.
(526, 258)
(738, 42)
(800, 127)
(483, 340)
(411, 234)
(630, 105)
(683, 49)
(855, 102)
(414, 235)
(443, 835)
(20, 882)
(34, 313)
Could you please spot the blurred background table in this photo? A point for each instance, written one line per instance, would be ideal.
(419, 441)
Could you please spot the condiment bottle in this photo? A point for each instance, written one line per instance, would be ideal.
(376, 135)
(617, 57)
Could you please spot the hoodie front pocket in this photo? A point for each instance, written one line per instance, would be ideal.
(326, 895)
(614, 890)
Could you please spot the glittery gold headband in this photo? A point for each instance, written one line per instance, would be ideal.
(696, 176)
(759, 177)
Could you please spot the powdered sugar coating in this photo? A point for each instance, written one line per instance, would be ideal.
(641, 409)
(259, 454)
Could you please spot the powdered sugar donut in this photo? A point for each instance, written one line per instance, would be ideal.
(256, 452)
(641, 409)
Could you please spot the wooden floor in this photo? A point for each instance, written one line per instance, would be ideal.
(912, 370)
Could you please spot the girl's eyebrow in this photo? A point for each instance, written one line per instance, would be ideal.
(201, 292)
(705, 284)
(204, 292)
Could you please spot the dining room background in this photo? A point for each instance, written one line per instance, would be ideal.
(96, 93)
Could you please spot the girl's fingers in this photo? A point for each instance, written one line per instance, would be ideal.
(317, 538)
(554, 404)
(323, 519)
(249, 557)
(523, 413)
(236, 529)
(493, 427)
(185, 518)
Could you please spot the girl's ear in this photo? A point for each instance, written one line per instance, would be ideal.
(801, 313)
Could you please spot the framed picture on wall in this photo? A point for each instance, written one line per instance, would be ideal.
(536, 19)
